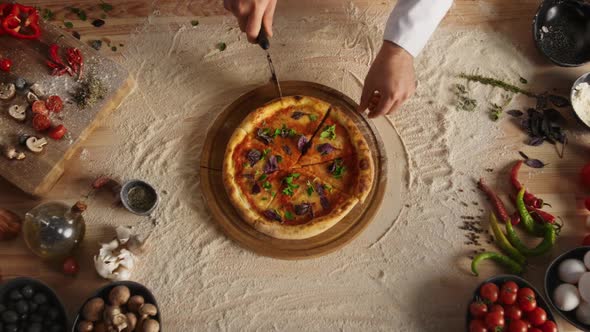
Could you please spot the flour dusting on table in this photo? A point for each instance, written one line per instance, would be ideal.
(403, 272)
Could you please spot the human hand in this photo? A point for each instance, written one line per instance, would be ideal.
(390, 81)
(252, 14)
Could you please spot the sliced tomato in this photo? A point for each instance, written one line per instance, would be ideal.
(39, 107)
(54, 104)
(58, 132)
(41, 122)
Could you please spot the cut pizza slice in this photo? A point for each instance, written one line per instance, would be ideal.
(337, 137)
(304, 207)
(286, 126)
(352, 174)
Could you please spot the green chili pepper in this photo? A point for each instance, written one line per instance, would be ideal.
(527, 220)
(503, 242)
(506, 261)
(540, 249)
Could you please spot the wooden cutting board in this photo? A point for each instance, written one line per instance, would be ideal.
(37, 173)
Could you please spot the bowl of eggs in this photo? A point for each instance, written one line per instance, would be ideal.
(567, 286)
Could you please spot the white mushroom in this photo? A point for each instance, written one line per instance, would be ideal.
(37, 90)
(7, 91)
(31, 97)
(11, 153)
(18, 112)
(36, 144)
(114, 262)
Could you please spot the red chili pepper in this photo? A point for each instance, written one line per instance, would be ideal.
(56, 63)
(499, 207)
(540, 215)
(75, 60)
(515, 218)
(21, 22)
(529, 199)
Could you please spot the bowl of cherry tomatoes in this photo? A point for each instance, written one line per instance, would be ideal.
(511, 304)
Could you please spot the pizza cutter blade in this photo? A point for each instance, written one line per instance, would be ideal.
(262, 40)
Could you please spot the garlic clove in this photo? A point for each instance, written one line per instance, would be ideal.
(18, 112)
(7, 91)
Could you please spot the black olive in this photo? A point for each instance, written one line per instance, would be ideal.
(35, 327)
(56, 328)
(15, 295)
(11, 328)
(36, 318)
(33, 306)
(22, 307)
(53, 314)
(40, 298)
(9, 316)
(2, 308)
(28, 290)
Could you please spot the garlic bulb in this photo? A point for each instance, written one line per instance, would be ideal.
(116, 259)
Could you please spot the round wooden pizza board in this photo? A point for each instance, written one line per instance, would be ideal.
(229, 220)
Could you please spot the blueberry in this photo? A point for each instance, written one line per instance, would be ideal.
(35, 327)
(11, 328)
(15, 295)
(22, 307)
(40, 298)
(9, 316)
(28, 290)
(20, 83)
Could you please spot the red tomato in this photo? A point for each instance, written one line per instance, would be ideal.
(527, 303)
(586, 241)
(587, 203)
(39, 107)
(41, 122)
(55, 104)
(526, 291)
(517, 326)
(513, 312)
(70, 266)
(537, 316)
(498, 308)
(489, 291)
(534, 329)
(508, 292)
(57, 132)
(478, 309)
(494, 320)
(585, 176)
(477, 325)
(5, 65)
(549, 326)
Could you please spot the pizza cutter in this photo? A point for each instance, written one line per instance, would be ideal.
(262, 40)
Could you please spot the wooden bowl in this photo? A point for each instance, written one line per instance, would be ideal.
(134, 287)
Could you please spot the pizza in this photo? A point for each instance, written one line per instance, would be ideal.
(297, 166)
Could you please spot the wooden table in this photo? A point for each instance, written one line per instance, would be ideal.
(512, 17)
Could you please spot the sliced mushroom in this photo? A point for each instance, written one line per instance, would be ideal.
(7, 91)
(36, 144)
(37, 90)
(11, 153)
(31, 97)
(18, 112)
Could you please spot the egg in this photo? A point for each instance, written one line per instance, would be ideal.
(566, 297)
(587, 260)
(583, 313)
(570, 270)
(584, 286)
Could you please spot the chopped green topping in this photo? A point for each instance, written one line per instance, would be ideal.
(328, 187)
(310, 188)
(264, 198)
(329, 132)
(284, 130)
(312, 117)
(279, 158)
(47, 14)
(289, 215)
(273, 194)
(194, 23)
(69, 25)
(221, 46)
(289, 189)
(81, 14)
(262, 177)
(264, 153)
(266, 185)
(245, 165)
(105, 6)
(338, 169)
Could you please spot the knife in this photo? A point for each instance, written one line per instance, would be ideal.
(262, 40)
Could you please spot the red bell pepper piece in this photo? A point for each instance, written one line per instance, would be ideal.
(529, 199)
(21, 22)
(5, 9)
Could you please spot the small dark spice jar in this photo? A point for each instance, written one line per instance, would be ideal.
(139, 197)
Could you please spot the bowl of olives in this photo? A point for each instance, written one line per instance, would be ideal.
(29, 305)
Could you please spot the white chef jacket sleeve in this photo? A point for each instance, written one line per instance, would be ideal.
(412, 22)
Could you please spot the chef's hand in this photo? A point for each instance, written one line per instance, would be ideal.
(252, 14)
(390, 81)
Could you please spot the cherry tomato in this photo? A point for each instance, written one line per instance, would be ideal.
(489, 291)
(548, 326)
(534, 329)
(527, 303)
(5, 65)
(585, 175)
(478, 309)
(70, 266)
(526, 291)
(508, 292)
(513, 312)
(39, 107)
(587, 203)
(537, 316)
(55, 104)
(498, 308)
(586, 241)
(517, 325)
(494, 320)
(57, 132)
(41, 122)
(477, 325)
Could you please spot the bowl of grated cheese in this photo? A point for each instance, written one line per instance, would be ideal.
(580, 97)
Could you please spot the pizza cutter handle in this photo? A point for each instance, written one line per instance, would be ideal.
(262, 39)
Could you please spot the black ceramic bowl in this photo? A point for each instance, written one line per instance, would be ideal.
(134, 287)
(502, 278)
(561, 30)
(552, 281)
(39, 287)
